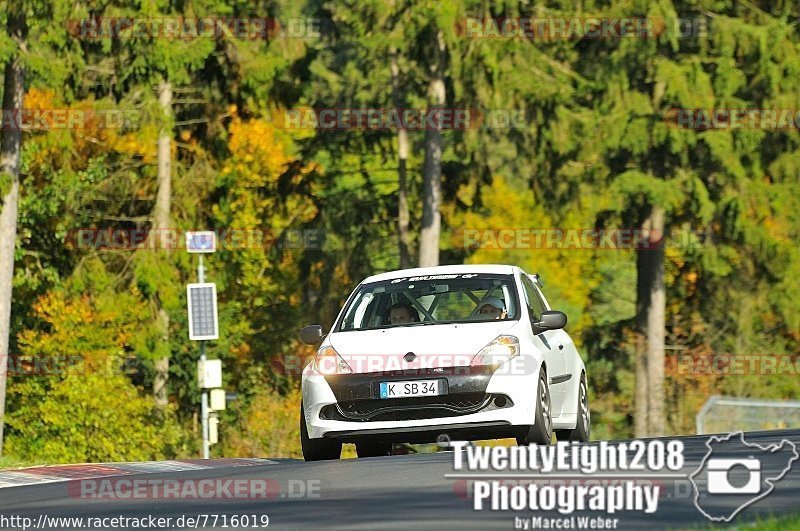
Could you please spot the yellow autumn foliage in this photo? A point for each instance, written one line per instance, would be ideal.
(260, 154)
(565, 272)
(82, 327)
(270, 427)
(40, 99)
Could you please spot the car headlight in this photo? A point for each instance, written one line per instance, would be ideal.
(329, 362)
(499, 351)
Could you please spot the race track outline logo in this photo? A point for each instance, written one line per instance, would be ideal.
(712, 481)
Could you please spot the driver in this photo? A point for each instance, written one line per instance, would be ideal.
(493, 306)
(402, 313)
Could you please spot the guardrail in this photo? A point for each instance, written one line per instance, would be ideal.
(748, 413)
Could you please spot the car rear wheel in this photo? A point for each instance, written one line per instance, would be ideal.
(583, 426)
(317, 449)
(542, 430)
(373, 449)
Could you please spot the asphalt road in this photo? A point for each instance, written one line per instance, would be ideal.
(396, 492)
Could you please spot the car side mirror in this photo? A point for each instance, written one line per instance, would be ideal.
(551, 320)
(311, 335)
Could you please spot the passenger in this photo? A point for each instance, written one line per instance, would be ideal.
(494, 307)
(403, 313)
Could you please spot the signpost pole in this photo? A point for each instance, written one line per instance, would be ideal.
(203, 325)
(201, 277)
(204, 406)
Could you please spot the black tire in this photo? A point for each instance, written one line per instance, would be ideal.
(373, 448)
(584, 425)
(542, 430)
(317, 449)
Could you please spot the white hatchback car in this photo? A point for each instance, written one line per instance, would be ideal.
(466, 351)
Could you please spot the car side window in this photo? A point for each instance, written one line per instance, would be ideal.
(535, 304)
(540, 298)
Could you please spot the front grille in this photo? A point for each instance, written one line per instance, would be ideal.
(400, 409)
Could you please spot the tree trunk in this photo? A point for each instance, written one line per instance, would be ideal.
(432, 169)
(403, 217)
(10, 149)
(641, 392)
(161, 224)
(655, 330)
(651, 302)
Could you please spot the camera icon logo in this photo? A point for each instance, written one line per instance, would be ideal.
(736, 473)
(719, 481)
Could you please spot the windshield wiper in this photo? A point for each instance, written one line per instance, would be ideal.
(434, 322)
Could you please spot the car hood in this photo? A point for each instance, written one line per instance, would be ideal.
(444, 345)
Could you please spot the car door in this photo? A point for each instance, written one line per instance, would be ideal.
(548, 343)
(563, 342)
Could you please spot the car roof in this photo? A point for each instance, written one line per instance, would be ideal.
(443, 270)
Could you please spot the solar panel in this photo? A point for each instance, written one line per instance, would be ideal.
(203, 323)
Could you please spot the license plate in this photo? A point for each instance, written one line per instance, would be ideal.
(410, 388)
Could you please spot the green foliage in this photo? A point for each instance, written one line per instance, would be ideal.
(92, 417)
(775, 523)
(88, 409)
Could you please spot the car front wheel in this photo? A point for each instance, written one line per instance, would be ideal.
(541, 432)
(317, 449)
(583, 427)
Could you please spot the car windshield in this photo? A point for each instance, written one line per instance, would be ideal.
(431, 300)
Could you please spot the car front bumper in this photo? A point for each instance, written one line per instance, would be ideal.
(481, 402)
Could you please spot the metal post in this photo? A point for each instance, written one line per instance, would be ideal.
(204, 406)
(201, 275)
